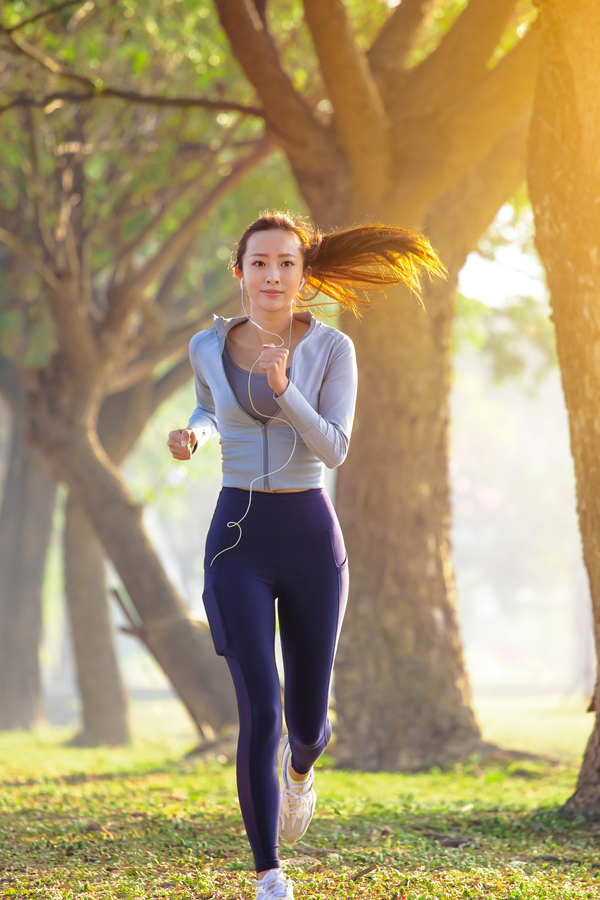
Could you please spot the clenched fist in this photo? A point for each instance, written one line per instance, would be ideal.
(273, 360)
(182, 443)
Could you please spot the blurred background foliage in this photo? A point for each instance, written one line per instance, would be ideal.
(517, 336)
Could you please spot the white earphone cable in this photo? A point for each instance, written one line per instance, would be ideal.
(238, 524)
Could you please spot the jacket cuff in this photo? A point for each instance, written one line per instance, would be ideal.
(202, 433)
(297, 407)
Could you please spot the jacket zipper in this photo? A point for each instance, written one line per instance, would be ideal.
(265, 439)
(263, 429)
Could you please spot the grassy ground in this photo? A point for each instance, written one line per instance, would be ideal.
(142, 822)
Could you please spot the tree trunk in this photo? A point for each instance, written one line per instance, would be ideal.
(564, 177)
(25, 528)
(104, 711)
(103, 698)
(404, 704)
(402, 694)
(104, 704)
(182, 648)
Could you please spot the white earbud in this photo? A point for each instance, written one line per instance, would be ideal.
(242, 283)
(302, 284)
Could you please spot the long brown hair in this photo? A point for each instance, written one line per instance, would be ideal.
(345, 265)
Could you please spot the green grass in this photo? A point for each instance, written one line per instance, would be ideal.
(551, 726)
(143, 822)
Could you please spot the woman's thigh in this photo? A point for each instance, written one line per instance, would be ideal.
(241, 613)
(239, 590)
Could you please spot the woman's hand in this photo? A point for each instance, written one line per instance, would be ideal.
(273, 360)
(181, 443)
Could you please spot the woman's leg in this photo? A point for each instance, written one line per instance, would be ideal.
(312, 591)
(240, 604)
(257, 776)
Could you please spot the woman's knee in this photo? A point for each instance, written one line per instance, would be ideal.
(309, 741)
(265, 723)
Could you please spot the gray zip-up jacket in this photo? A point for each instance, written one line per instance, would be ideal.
(319, 402)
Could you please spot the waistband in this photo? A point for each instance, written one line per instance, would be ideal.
(310, 495)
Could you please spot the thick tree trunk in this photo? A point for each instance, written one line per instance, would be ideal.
(25, 528)
(564, 177)
(402, 694)
(401, 689)
(182, 648)
(104, 704)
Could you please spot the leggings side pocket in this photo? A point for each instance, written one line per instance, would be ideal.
(213, 614)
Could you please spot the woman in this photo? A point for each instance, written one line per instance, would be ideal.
(274, 534)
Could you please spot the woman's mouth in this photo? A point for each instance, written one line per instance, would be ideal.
(272, 293)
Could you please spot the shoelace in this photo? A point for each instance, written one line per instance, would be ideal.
(290, 803)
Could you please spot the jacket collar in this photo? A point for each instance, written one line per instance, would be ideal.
(222, 326)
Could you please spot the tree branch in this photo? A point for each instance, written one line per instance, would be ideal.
(460, 60)
(123, 298)
(391, 47)
(96, 89)
(69, 316)
(125, 210)
(192, 185)
(122, 269)
(11, 385)
(29, 252)
(45, 60)
(133, 97)
(464, 134)
(457, 219)
(286, 113)
(504, 95)
(164, 296)
(135, 404)
(39, 187)
(41, 15)
(182, 372)
(170, 382)
(360, 118)
(261, 9)
(122, 419)
(176, 343)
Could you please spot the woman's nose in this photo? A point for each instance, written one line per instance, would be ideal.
(273, 277)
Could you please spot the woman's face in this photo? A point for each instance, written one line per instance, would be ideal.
(272, 269)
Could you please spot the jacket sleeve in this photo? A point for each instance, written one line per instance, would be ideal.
(203, 420)
(327, 431)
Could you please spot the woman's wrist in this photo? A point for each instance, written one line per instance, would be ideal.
(194, 443)
(279, 393)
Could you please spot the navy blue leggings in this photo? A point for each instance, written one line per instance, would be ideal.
(291, 549)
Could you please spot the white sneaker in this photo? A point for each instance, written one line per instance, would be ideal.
(297, 801)
(274, 886)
